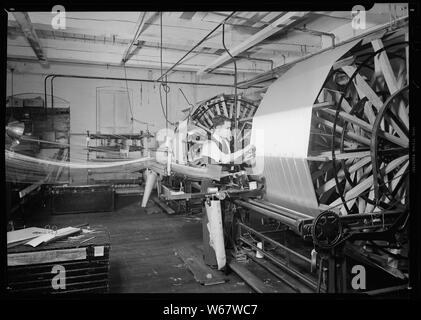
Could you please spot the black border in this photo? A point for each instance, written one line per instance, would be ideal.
(268, 303)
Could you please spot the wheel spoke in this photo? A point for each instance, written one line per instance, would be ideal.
(372, 129)
(348, 134)
(368, 182)
(370, 206)
(369, 113)
(211, 113)
(363, 87)
(384, 64)
(399, 176)
(403, 132)
(224, 108)
(331, 183)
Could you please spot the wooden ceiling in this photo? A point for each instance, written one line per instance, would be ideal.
(264, 40)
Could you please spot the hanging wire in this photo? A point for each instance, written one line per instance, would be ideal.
(164, 86)
(197, 44)
(235, 116)
(128, 94)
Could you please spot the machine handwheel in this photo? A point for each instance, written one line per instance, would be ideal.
(327, 230)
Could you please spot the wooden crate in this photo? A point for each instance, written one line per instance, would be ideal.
(82, 199)
(85, 264)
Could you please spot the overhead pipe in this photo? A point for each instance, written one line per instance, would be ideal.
(318, 33)
(258, 59)
(53, 76)
(45, 90)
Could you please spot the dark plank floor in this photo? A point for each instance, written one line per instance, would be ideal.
(143, 248)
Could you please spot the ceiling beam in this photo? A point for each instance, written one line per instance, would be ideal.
(24, 22)
(177, 38)
(138, 30)
(401, 23)
(273, 28)
(111, 54)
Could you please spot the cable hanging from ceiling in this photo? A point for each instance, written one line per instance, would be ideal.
(195, 46)
(128, 94)
(163, 85)
(234, 115)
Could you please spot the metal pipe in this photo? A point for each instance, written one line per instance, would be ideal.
(282, 210)
(45, 90)
(275, 243)
(198, 44)
(258, 59)
(293, 223)
(124, 79)
(357, 216)
(272, 271)
(312, 284)
(130, 79)
(318, 33)
(52, 90)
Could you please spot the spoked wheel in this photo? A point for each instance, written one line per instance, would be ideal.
(390, 157)
(369, 130)
(352, 130)
(225, 105)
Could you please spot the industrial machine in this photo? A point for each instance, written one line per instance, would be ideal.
(327, 201)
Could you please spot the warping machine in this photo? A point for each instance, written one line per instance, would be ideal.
(330, 193)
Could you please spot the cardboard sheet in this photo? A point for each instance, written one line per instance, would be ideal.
(24, 234)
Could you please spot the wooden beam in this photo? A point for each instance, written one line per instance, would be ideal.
(368, 127)
(46, 256)
(252, 280)
(137, 31)
(349, 134)
(192, 258)
(364, 90)
(327, 155)
(23, 20)
(385, 66)
(111, 54)
(163, 205)
(344, 62)
(273, 28)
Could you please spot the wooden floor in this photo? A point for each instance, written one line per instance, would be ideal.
(144, 243)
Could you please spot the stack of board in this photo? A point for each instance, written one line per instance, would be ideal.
(76, 264)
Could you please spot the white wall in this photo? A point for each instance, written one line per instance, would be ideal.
(81, 93)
